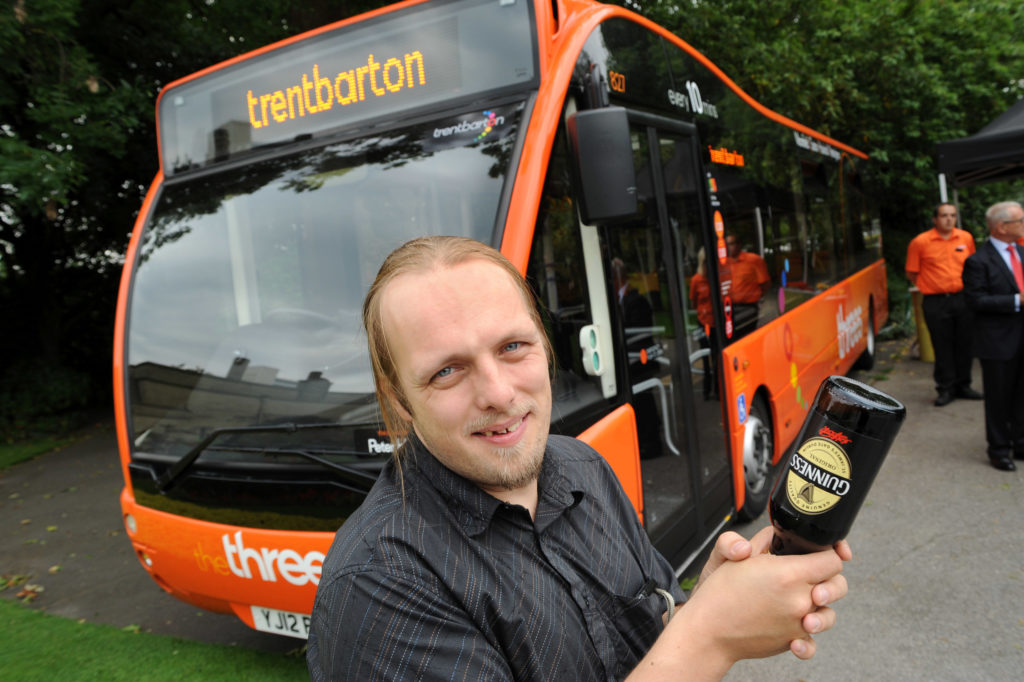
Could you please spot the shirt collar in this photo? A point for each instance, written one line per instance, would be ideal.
(474, 507)
(938, 235)
(999, 243)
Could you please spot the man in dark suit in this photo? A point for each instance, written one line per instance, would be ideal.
(993, 284)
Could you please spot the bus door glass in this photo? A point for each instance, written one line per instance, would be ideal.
(651, 260)
(702, 340)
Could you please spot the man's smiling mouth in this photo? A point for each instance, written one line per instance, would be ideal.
(514, 426)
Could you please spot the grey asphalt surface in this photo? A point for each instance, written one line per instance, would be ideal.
(937, 578)
(62, 529)
(936, 583)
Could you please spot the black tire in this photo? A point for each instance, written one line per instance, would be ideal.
(758, 471)
(867, 358)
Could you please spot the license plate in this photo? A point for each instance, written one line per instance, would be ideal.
(280, 622)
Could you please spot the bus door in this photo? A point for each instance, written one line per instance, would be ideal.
(671, 355)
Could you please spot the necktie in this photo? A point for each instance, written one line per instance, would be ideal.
(1018, 272)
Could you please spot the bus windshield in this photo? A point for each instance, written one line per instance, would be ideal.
(246, 302)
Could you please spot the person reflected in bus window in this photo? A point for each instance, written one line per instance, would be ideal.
(750, 282)
(700, 296)
(935, 265)
(642, 351)
(489, 549)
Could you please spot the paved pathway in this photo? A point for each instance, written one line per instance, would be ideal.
(60, 525)
(937, 579)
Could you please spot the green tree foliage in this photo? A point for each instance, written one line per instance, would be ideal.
(890, 78)
(62, 135)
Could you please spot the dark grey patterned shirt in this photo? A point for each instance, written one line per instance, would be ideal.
(454, 584)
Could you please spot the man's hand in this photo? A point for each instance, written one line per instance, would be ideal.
(749, 603)
(778, 602)
(732, 546)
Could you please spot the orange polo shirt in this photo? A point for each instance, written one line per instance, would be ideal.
(700, 294)
(937, 262)
(749, 272)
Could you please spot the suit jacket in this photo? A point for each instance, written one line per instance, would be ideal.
(989, 287)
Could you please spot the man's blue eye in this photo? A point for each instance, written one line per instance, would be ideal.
(513, 346)
(444, 372)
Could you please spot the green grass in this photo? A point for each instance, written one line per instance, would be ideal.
(901, 312)
(38, 646)
(12, 453)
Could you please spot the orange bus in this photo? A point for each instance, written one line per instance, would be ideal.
(607, 158)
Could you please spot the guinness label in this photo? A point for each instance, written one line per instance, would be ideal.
(818, 477)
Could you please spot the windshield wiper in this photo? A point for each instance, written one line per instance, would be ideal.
(170, 477)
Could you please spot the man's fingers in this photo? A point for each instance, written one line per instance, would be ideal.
(818, 621)
(762, 540)
(830, 591)
(820, 566)
(803, 648)
(732, 546)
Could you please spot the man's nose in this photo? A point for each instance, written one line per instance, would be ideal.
(493, 385)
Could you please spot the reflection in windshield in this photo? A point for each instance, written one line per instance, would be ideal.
(246, 302)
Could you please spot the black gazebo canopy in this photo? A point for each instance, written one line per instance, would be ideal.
(996, 152)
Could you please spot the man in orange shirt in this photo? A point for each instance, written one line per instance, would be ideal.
(750, 282)
(935, 264)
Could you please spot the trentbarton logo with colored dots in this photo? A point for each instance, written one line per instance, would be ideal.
(480, 127)
(794, 371)
(490, 120)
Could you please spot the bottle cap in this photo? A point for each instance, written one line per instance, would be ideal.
(859, 407)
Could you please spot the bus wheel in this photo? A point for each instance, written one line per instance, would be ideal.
(757, 460)
(867, 358)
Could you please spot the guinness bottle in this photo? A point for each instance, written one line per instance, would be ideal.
(839, 451)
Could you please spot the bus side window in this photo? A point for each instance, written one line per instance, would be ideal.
(556, 272)
(783, 251)
(824, 249)
(864, 232)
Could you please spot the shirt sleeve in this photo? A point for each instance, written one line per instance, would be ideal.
(969, 240)
(913, 256)
(368, 627)
(762, 271)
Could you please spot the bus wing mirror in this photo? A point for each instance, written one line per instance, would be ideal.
(604, 165)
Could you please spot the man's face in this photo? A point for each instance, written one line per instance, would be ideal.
(472, 366)
(1013, 229)
(945, 219)
(732, 246)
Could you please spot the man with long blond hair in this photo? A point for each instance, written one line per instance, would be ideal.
(491, 550)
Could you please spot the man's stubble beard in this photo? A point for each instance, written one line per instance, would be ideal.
(529, 469)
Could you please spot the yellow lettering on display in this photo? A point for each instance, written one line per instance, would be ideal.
(294, 94)
(393, 85)
(315, 92)
(724, 156)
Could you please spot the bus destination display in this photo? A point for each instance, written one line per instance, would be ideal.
(425, 56)
(317, 93)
